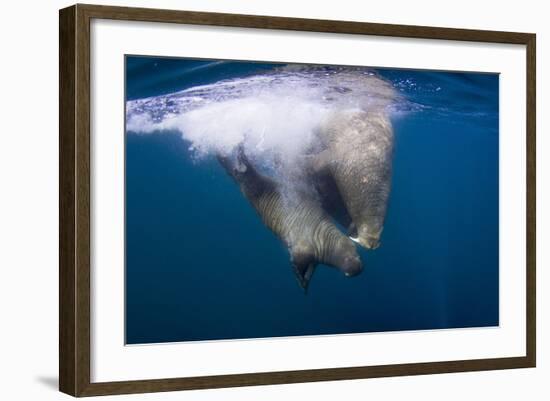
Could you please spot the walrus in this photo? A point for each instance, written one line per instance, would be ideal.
(357, 161)
(301, 223)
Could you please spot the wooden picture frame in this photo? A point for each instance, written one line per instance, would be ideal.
(74, 200)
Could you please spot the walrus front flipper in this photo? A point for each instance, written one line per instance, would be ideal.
(303, 263)
(304, 274)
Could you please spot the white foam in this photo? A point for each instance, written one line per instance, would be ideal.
(274, 115)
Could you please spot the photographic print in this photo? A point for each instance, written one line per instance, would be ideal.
(268, 199)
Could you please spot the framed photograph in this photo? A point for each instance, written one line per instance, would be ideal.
(250, 200)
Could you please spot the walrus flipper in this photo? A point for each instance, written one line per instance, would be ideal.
(303, 263)
(304, 274)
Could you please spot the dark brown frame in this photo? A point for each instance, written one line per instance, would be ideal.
(74, 199)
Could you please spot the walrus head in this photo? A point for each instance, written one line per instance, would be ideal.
(343, 256)
(369, 239)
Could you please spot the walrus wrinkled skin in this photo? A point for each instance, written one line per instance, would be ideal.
(357, 155)
(308, 232)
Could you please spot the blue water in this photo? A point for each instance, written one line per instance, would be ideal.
(200, 265)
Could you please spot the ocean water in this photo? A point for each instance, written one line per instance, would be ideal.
(200, 264)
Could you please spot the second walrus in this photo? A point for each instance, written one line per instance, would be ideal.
(357, 158)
